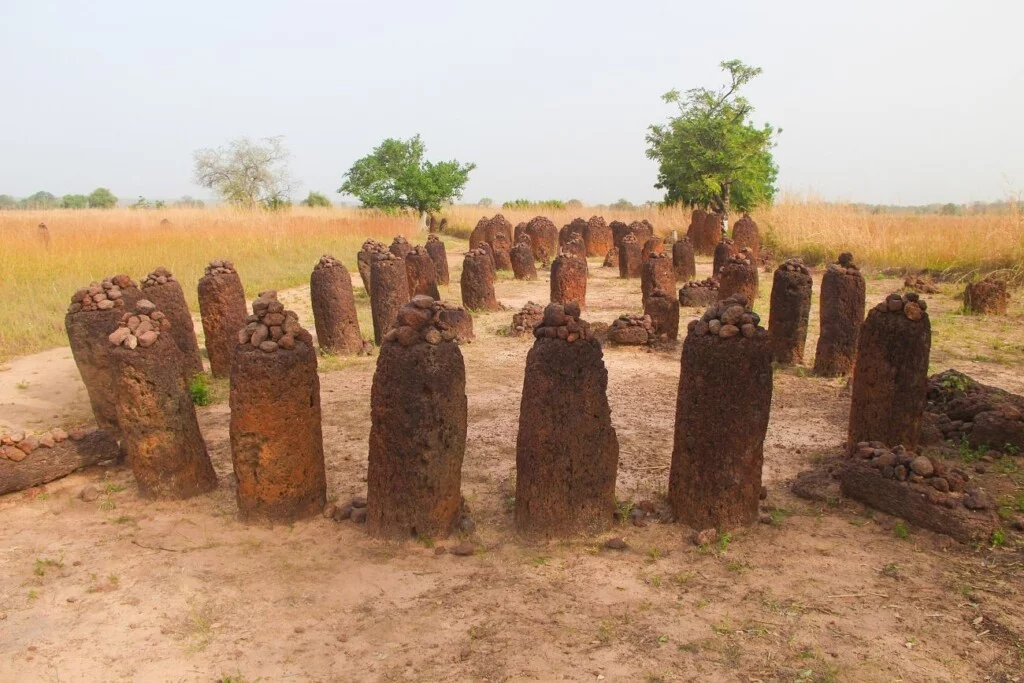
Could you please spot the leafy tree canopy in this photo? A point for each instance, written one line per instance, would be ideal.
(102, 198)
(316, 199)
(39, 200)
(396, 176)
(246, 172)
(711, 155)
(74, 201)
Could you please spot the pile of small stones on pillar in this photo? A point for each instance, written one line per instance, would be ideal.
(140, 327)
(400, 247)
(389, 291)
(790, 312)
(334, 307)
(276, 437)
(630, 257)
(521, 259)
(631, 329)
(746, 235)
(166, 293)
(986, 297)
(663, 310)
(656, 272)
(526, 319)
(435, 247)
(683, 263)
(18, 445)
(477, 281)
(364, 260)
(597, 237)
(418, 412)
(890, 381)
(105, 295)
(222, 309)
(699, 293)
(728, 318)
(739, 276)
(724, 251)
(841, 315)
(419, 267)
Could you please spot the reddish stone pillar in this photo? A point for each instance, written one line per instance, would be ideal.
(597, 237)
(683, 263)
(575, 247)
(986, 297)
(400, 247)
(724, 251)
(500, 247)
(571, 231)
(521, 258)
(222, 308)
(422, 276)
(435, 247)
(663, 310)
(611, 259)
(477, 282)
(543, 238)
(334, 307)
(699, 293)
(656, 273)
(364, 259)
(652, 245)
(705, 231)
(739, 276)
(790, 311)
(745, 234)
(569, 280)
(842, 312)
(389, 284)
(630, 257)
(619, 230)
(163, 290)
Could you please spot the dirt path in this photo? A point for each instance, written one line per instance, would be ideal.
(125, 589)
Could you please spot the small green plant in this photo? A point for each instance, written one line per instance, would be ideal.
(33, 594)
(622, 509)
(425, 541)
(901, 531)
(23, 384)
(723, 542)
(778, 515)
(654, 554)
(892, 570)
(539, 561)
(44, 563)
(957, 382)
(998, 539)
(199, 390)
(738, 566)
(968, 454)
(113, 487)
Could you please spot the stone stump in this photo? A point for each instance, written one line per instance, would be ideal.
(569, 280)
(222, 309)
(159, 429)
(487, 228)
(683, 264)
(890, 380)
(457, 320)
(566, 452)
(705, 231)
(500, 248)
(597, 237)
(486, 247)
(619, 230)
(724, 251)
(725, 394)
(841, 314)
(699, 293)
(575, 229)
(480, 233)
(95, 311)
(790, 311)
(477, 281)
(986, 297)
(543, 238)
(419, 268)
(334, 307)
(663, 310)
(166, 293)
(643, 230)
(418, 419)
(400, 247)
(656, 273)
(630, 257)
(526, 319)
(631, 329)
(521, 259)
(611, 259)
(739, 276)
(652, 245)
(435, 247)
(364, 260)
(745, 234)
(389, 286)
(276, 441)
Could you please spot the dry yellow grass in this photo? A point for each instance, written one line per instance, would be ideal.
(278, 250)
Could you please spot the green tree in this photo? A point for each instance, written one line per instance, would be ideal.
(189, 202)
(246, 172)
(7, 202)
(622, 205)
(102, 198)
(316, 199)
(74, 201)
(485, 202)
(396, 176)
(39, 200)
(711, 155)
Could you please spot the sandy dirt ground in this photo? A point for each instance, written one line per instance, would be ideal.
(124, 589)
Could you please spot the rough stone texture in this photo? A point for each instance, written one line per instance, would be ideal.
(611, 259)
(745, 234)
(663, 310)
(790, 311)
(915, 283)
(521, 259)
(724, 251)
(400, 247)
(222, 308)
(619, 230)
(418, 418)
(631, 330)
(42, 465)
(526, 319)
(419, 267)
(652, 245)
(477, 282)
(389, 285)
(458, 320)
(575, 247)
(487, 228)
(656, 273)
(739, 276)
(276, 441)
(501, 246)
(166, 293)
(480, 233)
(364, 259)
(566, 452)
(159, 430)
(569, 280)
(575, 229)
(699, 293)
(725, 394)
(87, 335)
(334, 307)
(543, 238)
(705, 231)
(890, 381)
(642, 229)
(630, 257)
(435, 247)
(597, 237)
(985, 416)
(841, 315)
(683, 264)
(986, 297)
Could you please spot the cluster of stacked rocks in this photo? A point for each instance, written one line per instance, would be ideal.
(524, 321)
(631, 329)
(699, 293)
(563, 322)
(521, 259)
(17, 446)
(422, 319)
(101, 296)
(435, 247)
(739, 276)
(728, 318)
(987, 297)
(220, 267)
(160, 276)
(911, 305)
(271, 327)
(400, 247)
(365, 257)
(141, 327)
(948, 484)
(962, 408)
(915, 283)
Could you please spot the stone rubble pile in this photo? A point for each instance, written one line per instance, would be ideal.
(728, 318)
(948, 484)
(526, 319)
(16, 446)
(220, 267)
(422, 320)
(142, 327)
(563, 322)
(101, 296)
(160, 276)
(271, 327)
(909, 304)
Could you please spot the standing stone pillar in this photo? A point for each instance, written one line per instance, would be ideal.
(619, 230)
(597, 237)
(569, 280)
(222, 309)
(94, 313)
(575, 247)
(364, 261)
(704, 232)
(166, 293)
(724, 251)
(334, 307)
(159, 429)
(841, 315)
(418, 419)
(500, 247)
(725, 394)
(683, 263)
(656, 273)
(630, 257)
(435, 247)
(890, 380)
(745, 234)
(276, 441)
(389, 286)
(422, 274)
(400, 247)
(477, 282)
(652, 245)
(790, 311)
(663, 309)
(739, 276)
(574, 229)
(543, 238)
(521, 259)
(567, 452)
(986, 297)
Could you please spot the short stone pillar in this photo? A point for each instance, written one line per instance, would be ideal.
(790, 311)
(435, 247)
(569, 280)
(841, 315)
(986, 297)
(276, 440)
(571, 231)
(631, 329)
(683, 263)
(526, 319)
(421, 272)
(418, 418)
(652, 245)
(488, 228)
(159, 429)
(456, 319)
(222, 308)
(389, 286)
(663, 309)
(745, 234)
(597, 237)
(699, 293)
(567, 452)
(95, 311)
(619, 230)
(890, 380)
(166, 293)
(725, 395)
(543, 238)
(643, 230)
(575, 247)
(739, 276)
(477, 281)
(611, 259)
(364, 260)
(400, 247)
(656, 273)
(500, 248)
(705, 231)
(521, 259)
(630, 257)
(334, 307)
(724, 251)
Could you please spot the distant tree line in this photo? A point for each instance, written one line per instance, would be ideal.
(100, 198)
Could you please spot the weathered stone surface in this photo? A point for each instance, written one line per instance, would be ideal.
(222, 308)
(611, 259)
(746, 235)
(683, 264)
(400, 247)
(631, 330)
(790, 312)
(521, 259)
(652, 245)
(419, 267)
(663, 310)
(619, 230)
(985, 416)
(88, 333)
(739, 276)
(986, 297)
(597, 237)
(705, 231)
(724, 251)
(389, 285)
(435, 247)
(656, 273)
(487, 228)
(543, 238)
(573, 230)
(477, 282)
(165, 292)
(526, 319)
(630, 257)
(841, 315)
(334, 307)
(501, 246)
(20, 471)
(569, 280)
(699, 293)
(365, 258)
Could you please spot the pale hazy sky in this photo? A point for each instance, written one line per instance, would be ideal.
(889, 102)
